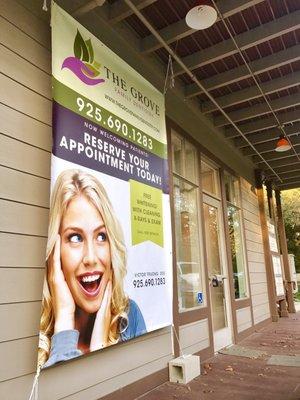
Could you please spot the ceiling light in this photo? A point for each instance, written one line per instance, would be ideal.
(282, 144)
(202, 16)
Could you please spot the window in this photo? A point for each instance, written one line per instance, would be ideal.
(232, 189)
(187, 233)
(236, 237)
(209, 178)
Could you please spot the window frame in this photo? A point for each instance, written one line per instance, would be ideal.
(189, 314)
(239, 209)
(217, 178)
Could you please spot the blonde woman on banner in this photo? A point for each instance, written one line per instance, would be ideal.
(84, 304)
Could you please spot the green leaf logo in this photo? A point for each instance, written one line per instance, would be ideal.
(83, 64)
(80, 48)
(90, 50)
(94, 71)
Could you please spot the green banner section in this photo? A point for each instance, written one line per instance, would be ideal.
(146, 214)
(85, 107)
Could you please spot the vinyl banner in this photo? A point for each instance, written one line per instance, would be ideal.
(109, 257)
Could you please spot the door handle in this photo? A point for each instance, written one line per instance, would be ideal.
(217, 280)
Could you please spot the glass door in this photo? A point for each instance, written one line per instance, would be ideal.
(217, 272)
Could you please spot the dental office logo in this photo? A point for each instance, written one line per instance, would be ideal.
(83, 65)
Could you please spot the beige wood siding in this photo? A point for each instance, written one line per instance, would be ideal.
(194, 336)
(25, 146)
(244, 320)
(255, 254)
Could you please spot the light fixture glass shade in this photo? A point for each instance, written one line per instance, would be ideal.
(282, 144)
(201, 16)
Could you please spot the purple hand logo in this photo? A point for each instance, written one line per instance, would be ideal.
(83, 64)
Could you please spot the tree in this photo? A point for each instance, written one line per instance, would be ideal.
(291, 215)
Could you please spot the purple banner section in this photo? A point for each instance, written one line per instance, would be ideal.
(80, 141)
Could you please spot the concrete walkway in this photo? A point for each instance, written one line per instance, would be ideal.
(239, 378)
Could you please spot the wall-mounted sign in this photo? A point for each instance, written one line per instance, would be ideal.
(272, 237)
(109, 255)
(278, 275)
(271, 228)
(200, 297)
(273, 244)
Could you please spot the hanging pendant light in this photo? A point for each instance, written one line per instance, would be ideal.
(202, 16)
(282, 144)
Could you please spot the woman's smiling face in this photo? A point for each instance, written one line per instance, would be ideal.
(85, 253)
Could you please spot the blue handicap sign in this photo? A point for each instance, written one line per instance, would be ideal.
(200, 297)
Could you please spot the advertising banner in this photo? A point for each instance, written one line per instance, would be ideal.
(109, 257)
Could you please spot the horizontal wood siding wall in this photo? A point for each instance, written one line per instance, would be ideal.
(255, 254)
(25, 146)
(244, 320)
(194, 337)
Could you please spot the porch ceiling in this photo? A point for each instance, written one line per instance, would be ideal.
(267, 35)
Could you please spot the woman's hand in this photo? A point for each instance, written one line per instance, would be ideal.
(100, 332)
(63, 302)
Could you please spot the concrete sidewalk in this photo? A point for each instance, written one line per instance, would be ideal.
(239, 378)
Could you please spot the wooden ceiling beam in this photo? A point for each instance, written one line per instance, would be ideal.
(120, 10)
(288, 186)
(288, 174)
(292, 178)
(180, 29)
(244, 40)
(237, 74)
(258, 109)
(269, 146)
(274, 155)
(283, 162)
(287, 169)
(262, 124)
(289, 177)
(266, 135)
(253, 92)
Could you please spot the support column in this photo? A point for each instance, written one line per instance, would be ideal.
(267, 251)
(283, 310)
(284, 252)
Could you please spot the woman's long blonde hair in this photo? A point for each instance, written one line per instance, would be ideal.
(70, 184)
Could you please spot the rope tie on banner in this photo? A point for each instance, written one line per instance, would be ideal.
(45, 8)
(177, 338)
(172, 79)
(171, 72)
(170, 69)
(35, 385)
